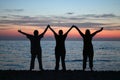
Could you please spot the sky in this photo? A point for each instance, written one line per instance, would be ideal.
(29, 15)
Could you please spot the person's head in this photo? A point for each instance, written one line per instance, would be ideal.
(60, 32)
(35, 32)
(87, 32)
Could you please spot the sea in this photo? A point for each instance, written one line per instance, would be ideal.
(15, 55)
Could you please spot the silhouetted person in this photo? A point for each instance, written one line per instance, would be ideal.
(35, 47)
(60, 51)
(88, 47)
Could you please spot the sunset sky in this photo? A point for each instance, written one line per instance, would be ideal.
(29, 15)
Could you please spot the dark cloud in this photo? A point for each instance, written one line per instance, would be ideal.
(25, 22)
(56, 21)
(90, 24)
(77, 18)
(101, 16)
(13, 10)
(46, 22)
(4, 17)
(80, 25)
(70, 13)
(108, 15)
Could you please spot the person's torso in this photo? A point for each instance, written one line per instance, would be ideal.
(87, 42)
(60, 41)
(35, 43)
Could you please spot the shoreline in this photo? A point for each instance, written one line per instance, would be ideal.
(58, 75)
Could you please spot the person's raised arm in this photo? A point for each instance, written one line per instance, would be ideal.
(23, 32)
(93, 34)
(53, 31)
(79, 31)
(45, 30)
(68, 30)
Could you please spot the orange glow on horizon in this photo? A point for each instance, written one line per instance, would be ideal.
(72, 34)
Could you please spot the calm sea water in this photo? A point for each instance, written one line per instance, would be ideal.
(15, 55)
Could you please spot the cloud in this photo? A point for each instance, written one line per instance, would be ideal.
(5, 27)
(112, 27)
(70, 13)
(13, 10)
(101, 15)
(82, 21)
(108, 15)
(45, 23)
(25, 20)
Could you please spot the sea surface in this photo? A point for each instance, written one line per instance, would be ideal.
(15, 55)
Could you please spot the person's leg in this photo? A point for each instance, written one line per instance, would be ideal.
(63, 61)
(32, 61)
(57, 57)
(40, 61)
(84, 61)
(91, 62)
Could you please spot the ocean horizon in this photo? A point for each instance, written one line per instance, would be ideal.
(15, 55)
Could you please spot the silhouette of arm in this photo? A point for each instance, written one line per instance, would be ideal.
(45, 30)
(68, 30)
(93, 34)
(53, 31)
(23, 33)
(79, 31)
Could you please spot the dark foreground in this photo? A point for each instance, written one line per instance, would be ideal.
(59, 75)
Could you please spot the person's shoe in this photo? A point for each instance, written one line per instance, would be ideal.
(42, 69)
(63, 69)
(30, 70)
(83, 69)
(91, 69)
(56, 69)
